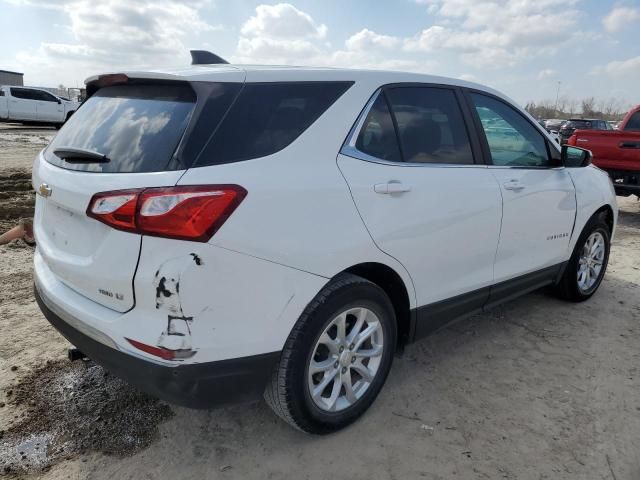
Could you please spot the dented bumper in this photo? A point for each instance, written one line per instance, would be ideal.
(200, 385)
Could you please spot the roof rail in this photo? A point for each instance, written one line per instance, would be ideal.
(204, 57)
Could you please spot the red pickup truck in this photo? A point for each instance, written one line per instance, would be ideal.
(616, 151)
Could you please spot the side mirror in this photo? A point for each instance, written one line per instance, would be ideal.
(59, 101)
(575, 156)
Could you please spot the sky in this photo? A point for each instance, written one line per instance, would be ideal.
(528, 49)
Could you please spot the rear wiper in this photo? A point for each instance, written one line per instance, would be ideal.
(71, 154)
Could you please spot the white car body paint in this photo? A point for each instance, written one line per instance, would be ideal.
(310, 213)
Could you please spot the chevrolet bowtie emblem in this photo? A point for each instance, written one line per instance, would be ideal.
(44, 190)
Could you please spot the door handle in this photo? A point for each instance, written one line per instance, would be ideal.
(391, 187)
(513, 185)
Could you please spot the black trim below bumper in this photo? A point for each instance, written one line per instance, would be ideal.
(201, 385)
(624, 181)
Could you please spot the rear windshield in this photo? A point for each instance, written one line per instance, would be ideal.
(266, 117)
(137, 127)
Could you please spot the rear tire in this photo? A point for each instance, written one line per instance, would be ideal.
(588, 263)
(337, 357)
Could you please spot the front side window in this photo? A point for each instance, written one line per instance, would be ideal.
(430, 125)
(378, 136)
(46, 97)
(633, 125)
(513, 141)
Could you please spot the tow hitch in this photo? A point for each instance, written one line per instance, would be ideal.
(75, 354)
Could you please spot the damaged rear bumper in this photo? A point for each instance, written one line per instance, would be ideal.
(199, 385)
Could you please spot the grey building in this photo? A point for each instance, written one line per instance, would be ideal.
(11, 78)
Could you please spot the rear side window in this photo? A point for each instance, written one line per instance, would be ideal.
(138, 127)
(430, 125)
(267, 117)
(378, 136)
(24, 93)
(634, 123)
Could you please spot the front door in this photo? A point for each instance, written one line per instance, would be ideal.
(423, 199)
(539, 204)
(49, 108)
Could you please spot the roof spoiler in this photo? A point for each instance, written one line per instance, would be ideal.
(204, 57)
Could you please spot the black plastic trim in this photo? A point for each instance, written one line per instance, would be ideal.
(201, 385)
(430, 318)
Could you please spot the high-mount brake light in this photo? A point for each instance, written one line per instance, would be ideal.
(111, 79)
(193, 212)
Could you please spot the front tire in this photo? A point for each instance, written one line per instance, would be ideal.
(336, 358)
(588, 263)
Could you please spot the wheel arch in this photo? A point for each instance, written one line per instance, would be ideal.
(609, 217)
(399, 293)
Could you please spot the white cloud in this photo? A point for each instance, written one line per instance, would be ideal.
(547, 73)
(279, 34)
(282, 21)
(366, 39)
(496, 33)
(629, 68)
(620, 17)
(116, 32)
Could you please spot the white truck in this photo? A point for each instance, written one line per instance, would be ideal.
(34, 106)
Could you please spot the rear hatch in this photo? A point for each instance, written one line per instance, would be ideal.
(125, 136)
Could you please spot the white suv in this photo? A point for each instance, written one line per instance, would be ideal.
(216, 233)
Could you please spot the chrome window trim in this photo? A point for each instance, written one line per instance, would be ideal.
(349, 146)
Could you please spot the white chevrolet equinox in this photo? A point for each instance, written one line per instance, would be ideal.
(217, 233)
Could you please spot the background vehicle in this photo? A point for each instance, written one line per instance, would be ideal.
(553, 124)
(553, 127)
(215, 233)
(570, 126)
(34, 106)
(616, 151)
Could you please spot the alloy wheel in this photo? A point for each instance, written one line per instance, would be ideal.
(345, 359)
(591, 261)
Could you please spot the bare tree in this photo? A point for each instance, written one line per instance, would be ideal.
(611, 108)
(588, 106)
(563, 101)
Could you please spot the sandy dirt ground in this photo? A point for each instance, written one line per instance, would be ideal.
(536, 389)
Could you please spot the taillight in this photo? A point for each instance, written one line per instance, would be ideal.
(186, 212)
(117, 209)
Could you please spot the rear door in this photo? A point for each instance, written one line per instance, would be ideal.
(423, 198)
(138, 128)
(22, 104)
(539, 203)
